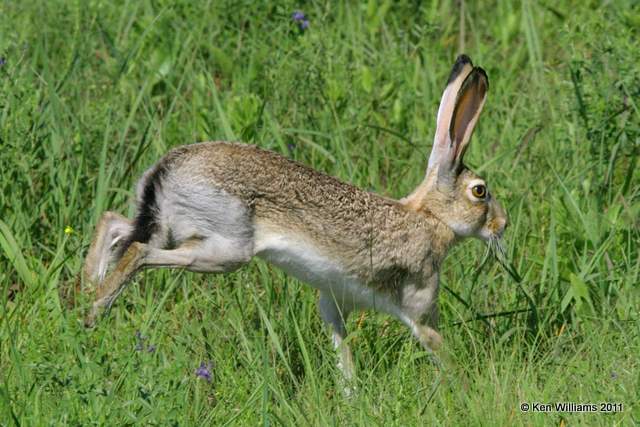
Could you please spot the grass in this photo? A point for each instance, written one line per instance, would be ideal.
(92, 93)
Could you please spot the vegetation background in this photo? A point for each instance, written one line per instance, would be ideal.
(92, 93)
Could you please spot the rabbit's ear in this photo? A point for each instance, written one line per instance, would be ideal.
(461, 104)
(469, 103)
(442, 152)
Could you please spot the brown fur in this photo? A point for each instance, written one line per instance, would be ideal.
(377, 237)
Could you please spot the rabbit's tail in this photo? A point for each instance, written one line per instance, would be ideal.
(146, 222)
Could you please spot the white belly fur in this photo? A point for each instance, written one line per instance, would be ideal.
(300, 258)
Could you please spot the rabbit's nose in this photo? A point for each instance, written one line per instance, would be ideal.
(500, 220)
(499, 225)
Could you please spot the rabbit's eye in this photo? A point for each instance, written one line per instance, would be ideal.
(479, 191)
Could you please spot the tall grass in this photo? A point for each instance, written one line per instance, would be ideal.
(92, 93)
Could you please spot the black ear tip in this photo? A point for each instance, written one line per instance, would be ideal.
(480, 71)
(461, 61)
(477, 78)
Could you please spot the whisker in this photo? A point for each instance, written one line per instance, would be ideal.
(496, 246)
(487, 252)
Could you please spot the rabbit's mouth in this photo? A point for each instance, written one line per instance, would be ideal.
(496, 222)
(494, 229)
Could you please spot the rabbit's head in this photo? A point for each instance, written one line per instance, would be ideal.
(450, 191)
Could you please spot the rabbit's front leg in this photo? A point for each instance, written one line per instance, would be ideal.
(335, 317)
(420, 312)
(430, 339)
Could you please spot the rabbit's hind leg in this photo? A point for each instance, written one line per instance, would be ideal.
(111, 231)
(128, 264)
(214, 255)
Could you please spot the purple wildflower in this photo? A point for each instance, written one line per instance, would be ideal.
(301, 19)
(2, 61)
(140, 345)
(204, 371)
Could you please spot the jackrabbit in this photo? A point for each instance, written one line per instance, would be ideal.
(211, 207)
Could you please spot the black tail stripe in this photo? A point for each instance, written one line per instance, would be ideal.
(146, 223)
